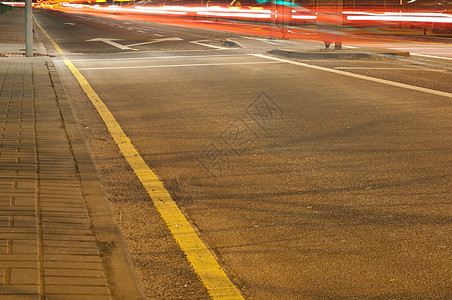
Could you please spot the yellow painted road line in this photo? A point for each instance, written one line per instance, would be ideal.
(55, 45)
(203, 262)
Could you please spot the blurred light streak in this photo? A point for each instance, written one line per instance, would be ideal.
(401, 17)
(234, 15)
(15, 3)
(299, 17)
(254, 13)
(262, 13)
(204, 11)
(153, 10)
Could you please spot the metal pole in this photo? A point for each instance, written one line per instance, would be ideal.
(272, 18)
(28, 28)
(338, 41)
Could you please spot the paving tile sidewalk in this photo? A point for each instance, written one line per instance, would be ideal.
(58, 239)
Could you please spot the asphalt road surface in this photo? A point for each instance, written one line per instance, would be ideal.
(305, 182)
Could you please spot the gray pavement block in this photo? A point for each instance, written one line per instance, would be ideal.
(18, 289)
(71, 251)
(79, 281)
(24, 276)
(25, 246)
(47, 234)
(80, 273)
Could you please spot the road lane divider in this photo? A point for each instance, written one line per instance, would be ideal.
(211, 274)
(358, 76)
(160, 57)
(182, 65)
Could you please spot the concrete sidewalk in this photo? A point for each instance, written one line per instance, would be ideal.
(58, 238)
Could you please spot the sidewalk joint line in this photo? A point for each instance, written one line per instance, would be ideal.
(38, 202)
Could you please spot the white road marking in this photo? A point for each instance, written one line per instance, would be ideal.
(200, 43)
(431, 56)
(425, 48)
(182, 65)
(371, 68)
(110, 42)
(156, 41)
(260, 39)
(71, 24)
(413, 53)
(237, 43)
(427, 55)
(399, 69)
(358, 76)
(171, 51)
(159, 57)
